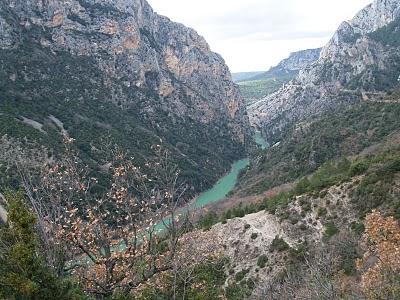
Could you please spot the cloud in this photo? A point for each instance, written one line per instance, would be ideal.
(255, 34)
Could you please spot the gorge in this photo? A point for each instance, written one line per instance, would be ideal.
(132, 167)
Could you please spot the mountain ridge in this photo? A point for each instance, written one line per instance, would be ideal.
(117, 69)
(352, 64)
(266, 83)
(293, 64)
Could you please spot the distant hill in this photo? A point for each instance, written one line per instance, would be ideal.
(236, 77)
(265, 83)
(291, 66)
(360, 62)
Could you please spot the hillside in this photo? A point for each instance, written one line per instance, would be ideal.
(292, 65)
(244, 76)
(305, 242)
(115, 72)
(262, 84)
(307, 146)
(305, 217)
(360, 61)
(93, 91)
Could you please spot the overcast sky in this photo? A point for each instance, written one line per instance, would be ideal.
(253, 35)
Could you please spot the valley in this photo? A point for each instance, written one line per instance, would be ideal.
(227, 183)
(135, 166)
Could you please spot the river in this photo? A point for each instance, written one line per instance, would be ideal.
(226, 184)
(221, 189)
(223, 186)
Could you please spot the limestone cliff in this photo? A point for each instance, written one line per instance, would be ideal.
(361, 59)
(291, 66)
(139, 67)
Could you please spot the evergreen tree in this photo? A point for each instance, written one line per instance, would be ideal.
(23, 273)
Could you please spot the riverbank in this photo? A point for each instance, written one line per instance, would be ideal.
(227, 183)
(222, 188)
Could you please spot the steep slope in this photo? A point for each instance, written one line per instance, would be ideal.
(362, 59)
(306, 147)
(115, 70)
(314, 229)
(292, 65)
(263, 84)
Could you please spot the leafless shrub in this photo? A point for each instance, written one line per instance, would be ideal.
(111, 240)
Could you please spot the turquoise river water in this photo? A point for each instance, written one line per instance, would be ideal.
(226, 184)
(221, 189)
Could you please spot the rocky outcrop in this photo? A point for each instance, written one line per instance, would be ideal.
(162, 72)
(146, 49)
(361, 59)
(3, 212)
(292, 65)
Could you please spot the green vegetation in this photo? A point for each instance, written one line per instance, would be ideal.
(348, 254)
(240, 275)
(333, 136)
(23, 271)
(262, 261)
(358, 228)
(73, 90)
(206, 282)
(330, 230)
(388, 35)
(257, 89)
(321, 212)
(376, 188)
(207, 221)
(239, 291)
(278, 244)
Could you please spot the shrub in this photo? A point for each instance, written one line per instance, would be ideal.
(262, 261)
(228, 214)
(254, 235)
(359, 168)
(238, 212)
(330, 230)
(323, 194)
(23, 272)
(237, 291)
(208, 220)
(303, 227)
(321, 212)
(282, 199)
(358, 228)
(279, 244)
(303, 186)
(294, 220)
(240, 275)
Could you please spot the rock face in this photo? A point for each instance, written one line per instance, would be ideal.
(156, 71)
(292, 65)
(257, 85)
(360, 60)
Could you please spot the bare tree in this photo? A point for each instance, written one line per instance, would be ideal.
(109, 240)
(123, 237)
